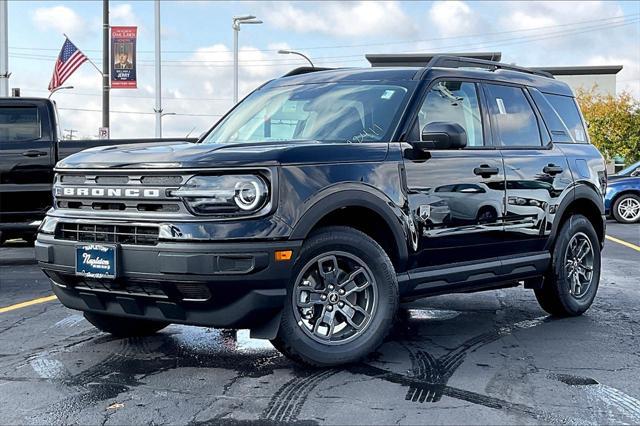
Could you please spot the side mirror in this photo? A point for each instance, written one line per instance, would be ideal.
(442, 135)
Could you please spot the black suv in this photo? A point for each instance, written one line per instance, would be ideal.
(327, 197)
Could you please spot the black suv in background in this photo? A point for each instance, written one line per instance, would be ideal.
(326, 198)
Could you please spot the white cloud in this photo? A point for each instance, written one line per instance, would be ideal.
(122, 15)
(454, 18)
(352, 19)
(628, 79)
(61, 19)
(207, 87)
(528, 15)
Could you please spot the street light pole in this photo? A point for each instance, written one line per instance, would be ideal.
(58, 88)
(159, 116)
(236, 29)
(293, 52)
(4, 48)
(105, 64)
(237, 20)
(158, 108)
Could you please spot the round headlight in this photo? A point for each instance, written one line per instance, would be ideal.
(249, 194)
(225, 195)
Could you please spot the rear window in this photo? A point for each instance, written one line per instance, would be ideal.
(555, 125)
(567, 110)
(19, 124)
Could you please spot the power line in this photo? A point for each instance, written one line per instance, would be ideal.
(328, 60)
(139, 112)
(568, 24)
(69, 93)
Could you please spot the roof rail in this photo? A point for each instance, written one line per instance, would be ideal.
(445, 61)
(305, 70)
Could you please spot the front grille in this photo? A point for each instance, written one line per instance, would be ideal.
(116, 201)
(119, 206)
(98, 233)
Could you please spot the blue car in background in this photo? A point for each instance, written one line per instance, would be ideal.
(622, 199)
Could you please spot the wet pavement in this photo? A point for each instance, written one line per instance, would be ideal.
(492, 357)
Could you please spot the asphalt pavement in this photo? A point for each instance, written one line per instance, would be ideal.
(492, 357)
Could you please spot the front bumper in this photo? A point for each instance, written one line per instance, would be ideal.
(230, 285)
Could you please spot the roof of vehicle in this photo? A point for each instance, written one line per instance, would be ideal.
(309, 76)
(18, 99)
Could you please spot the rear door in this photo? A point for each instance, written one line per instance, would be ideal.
(456, 197)
(537, 173)
(26, 160)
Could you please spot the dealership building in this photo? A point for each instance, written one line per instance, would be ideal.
(602, 77)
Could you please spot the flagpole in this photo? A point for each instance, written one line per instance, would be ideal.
(88, 59)
(105, 66)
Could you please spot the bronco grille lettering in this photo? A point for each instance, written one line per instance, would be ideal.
(108, 192)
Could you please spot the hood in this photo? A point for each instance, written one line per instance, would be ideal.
(618, 177)
(188, 155)
(623, 181)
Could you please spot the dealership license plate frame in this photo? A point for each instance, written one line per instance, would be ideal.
(110, 251)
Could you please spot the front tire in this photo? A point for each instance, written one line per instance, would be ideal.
(124, 327)
(342, 299)
(626, 209)
(571, 283)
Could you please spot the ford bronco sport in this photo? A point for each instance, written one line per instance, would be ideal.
(327, 197)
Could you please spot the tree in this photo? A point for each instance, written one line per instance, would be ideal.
(613, 123)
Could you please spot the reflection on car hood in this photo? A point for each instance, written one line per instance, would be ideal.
(624, 180)
(188, 155)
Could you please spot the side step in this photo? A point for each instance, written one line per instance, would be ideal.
(473, 276)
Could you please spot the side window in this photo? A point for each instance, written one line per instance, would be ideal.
(454, 102)
(19, 124)
(559, 132)
(516, 123)
(567, 109)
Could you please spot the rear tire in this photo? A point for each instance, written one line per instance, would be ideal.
(571, 283)
(124, 327)
(342, 299)
(626, 209)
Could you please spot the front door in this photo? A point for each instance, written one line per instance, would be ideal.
(26, 161)
(456, 197)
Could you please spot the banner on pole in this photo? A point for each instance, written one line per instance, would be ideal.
(123, 57)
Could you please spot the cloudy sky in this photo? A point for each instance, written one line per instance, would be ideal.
(197, 41)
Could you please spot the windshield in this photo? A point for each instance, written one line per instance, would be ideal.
(629, 170)
(327, 112)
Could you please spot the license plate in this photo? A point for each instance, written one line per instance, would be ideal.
(96, 261)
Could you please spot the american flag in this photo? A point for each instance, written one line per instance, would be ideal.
(69, 59)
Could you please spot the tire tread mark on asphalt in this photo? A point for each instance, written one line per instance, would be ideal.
(290, 406)
(469, 396)
(434, 374)
(287, 402)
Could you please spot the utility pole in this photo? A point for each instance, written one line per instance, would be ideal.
(105, 63)
(158, 108)
(4, 48)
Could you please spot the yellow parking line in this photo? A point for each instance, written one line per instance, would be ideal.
(624, 243)
(27, 303)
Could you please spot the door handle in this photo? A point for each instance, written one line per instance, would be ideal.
(34, 153)
(485, 171)
(552, 169)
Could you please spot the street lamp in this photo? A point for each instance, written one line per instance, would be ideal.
(59, 88)
(160, 115)
(293, 52)
(237, 21)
